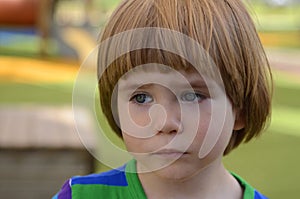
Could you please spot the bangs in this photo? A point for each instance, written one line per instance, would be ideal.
(129, 61)
(151, 56)
(126, 50)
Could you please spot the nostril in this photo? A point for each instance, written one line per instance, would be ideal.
(165, 120)
(171, 126)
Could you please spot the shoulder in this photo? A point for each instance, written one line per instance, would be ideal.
(106, 181)
(249, 191)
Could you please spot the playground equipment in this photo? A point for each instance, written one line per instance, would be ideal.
(35, 14)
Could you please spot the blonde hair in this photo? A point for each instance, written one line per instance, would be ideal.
(223, 28)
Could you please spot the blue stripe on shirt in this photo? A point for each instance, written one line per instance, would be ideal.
(114, 177)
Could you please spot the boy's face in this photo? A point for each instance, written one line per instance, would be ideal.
(174, 123)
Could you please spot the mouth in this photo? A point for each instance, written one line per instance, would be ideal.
(170, 153)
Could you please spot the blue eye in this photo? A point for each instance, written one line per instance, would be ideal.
(192, 97)
(141, 98)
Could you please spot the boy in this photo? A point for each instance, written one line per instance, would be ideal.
(179, 107)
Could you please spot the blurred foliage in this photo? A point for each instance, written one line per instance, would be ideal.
(278, 24)
(270, 18)
(106, 5)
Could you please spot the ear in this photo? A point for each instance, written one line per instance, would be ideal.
(239, 120)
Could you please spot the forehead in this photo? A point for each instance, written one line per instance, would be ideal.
(162, 75)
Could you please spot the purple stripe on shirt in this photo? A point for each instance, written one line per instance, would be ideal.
(65, 192)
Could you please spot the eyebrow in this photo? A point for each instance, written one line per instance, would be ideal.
(197, 82)
(134, 86)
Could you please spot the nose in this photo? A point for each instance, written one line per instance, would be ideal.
(167, 118)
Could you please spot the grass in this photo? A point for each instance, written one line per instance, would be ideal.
(37, 93)
(271, 163)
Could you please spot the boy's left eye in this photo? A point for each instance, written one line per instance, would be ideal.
(192, 97)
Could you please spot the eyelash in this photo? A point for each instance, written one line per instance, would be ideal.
(134, 97)
(198, 95)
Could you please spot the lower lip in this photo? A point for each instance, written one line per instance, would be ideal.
(171, 155)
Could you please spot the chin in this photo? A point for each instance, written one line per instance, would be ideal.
(177, 172)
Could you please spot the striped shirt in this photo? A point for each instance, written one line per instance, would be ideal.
(122, 183)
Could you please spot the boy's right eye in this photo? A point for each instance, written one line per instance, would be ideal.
(141, 98)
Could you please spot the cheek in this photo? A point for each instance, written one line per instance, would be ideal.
(200, 119)
(135, 121)
(132, 144)
(216, 135)
(201, 131)
(195, 126)
(139, 115)
(213, 130)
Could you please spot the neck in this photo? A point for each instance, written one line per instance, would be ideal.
(212, 182)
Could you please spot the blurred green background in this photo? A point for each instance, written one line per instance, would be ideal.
(270, 163)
